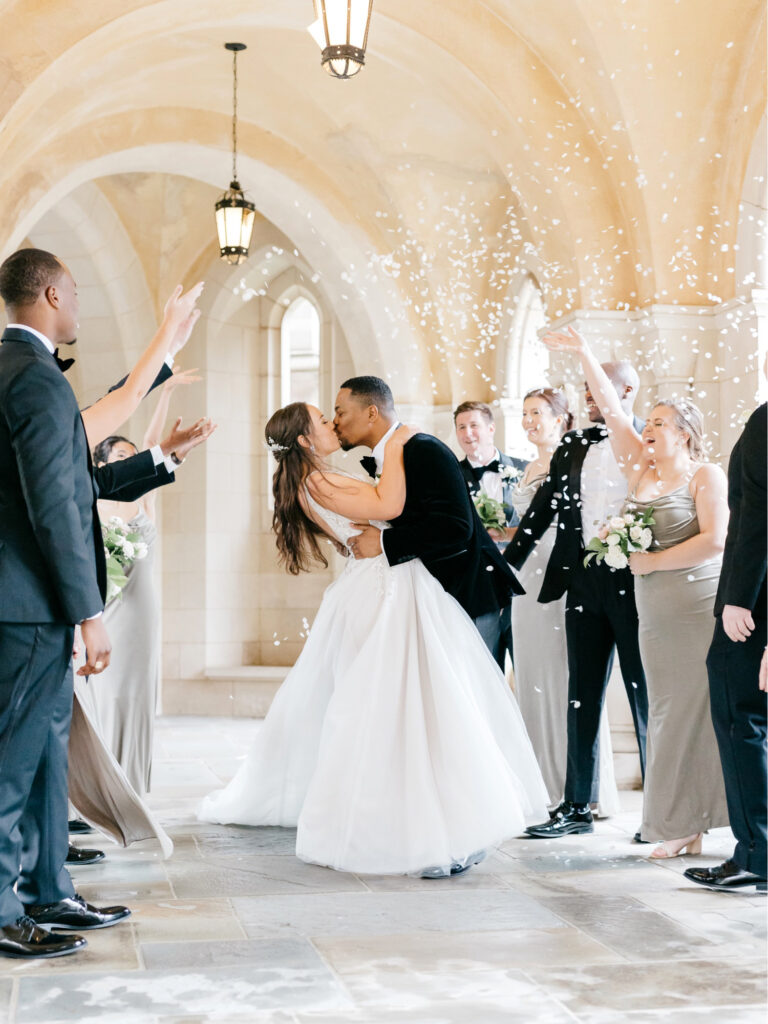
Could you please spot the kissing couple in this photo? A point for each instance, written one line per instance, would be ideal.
(394, 745)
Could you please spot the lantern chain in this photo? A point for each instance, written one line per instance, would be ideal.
(234, 116)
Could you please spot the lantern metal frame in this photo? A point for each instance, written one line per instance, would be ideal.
(353, 56)
(234, 197)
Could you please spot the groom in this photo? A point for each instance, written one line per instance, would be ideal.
(439, 523)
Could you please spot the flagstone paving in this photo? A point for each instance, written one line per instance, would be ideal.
(234, 928)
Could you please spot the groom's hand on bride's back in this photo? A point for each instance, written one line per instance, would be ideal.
(367, 543)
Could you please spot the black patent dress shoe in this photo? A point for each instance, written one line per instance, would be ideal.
(568, 819)
(74, 914)
(78, 827)
(78, 856)
(25, 940)
(727, 877)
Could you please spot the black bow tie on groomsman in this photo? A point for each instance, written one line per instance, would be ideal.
(369, 465)
(492, 467)
(63, 364)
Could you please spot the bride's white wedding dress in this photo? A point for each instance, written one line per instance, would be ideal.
(394, 743)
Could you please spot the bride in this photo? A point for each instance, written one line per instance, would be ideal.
(394, 743)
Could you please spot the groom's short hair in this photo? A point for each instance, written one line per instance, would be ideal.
(371, 391)
(26, 274)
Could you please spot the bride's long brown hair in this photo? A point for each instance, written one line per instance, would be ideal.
(297, 535)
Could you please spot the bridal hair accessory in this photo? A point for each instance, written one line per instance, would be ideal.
(274, 447)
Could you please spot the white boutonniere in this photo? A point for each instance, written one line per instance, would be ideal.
(509, 473)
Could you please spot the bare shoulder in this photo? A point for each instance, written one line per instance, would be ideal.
(708, 476)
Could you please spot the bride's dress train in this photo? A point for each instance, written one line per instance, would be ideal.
(394, 743)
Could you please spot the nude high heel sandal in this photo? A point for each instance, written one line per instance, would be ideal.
(669, 849)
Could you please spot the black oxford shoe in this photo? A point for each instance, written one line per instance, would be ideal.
(727, 876)
(25, 940)
(77, 856)
(74, 914)
(78, 827)
(568, 819)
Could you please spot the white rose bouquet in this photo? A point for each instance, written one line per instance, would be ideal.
(491, 512)
(122, 547)
(620, 537)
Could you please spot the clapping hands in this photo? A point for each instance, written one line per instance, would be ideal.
(180, 442)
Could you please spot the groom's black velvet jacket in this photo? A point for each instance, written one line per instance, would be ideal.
(439, 525)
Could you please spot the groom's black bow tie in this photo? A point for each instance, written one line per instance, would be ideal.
(63, 364)
(369, 465)
(492, 467)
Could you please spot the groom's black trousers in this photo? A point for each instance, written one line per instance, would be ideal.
(35, 714)
(600, 616)
(739, 716)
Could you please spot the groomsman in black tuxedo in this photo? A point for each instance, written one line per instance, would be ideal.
(485, 469)
(737, 700)
(52, 575)
(584, 488)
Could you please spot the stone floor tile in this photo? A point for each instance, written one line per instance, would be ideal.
(242, 841)
(593, 993)
(277, 953)
(6, 994)
(448, 952)
(630, 928)
(232, 876)
(391, 913)
(221, 993)
(689, 1015)
(615, 882)
(474, 997)
(186, 920)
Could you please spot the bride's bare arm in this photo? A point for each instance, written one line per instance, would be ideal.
(625, 441)
(358, 500)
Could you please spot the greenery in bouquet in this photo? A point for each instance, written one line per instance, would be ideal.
(620, 537)
(492, 513)
(122, 547)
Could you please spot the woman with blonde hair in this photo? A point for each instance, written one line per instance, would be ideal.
(675, 586)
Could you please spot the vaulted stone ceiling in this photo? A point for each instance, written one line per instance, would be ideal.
(600, 144)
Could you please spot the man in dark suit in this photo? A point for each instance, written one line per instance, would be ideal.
(487, 470)
(438, 523)
(52, 575)
(584, 488)
(737, 701)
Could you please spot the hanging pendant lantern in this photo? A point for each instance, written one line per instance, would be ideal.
(234, 213)
(341, 32)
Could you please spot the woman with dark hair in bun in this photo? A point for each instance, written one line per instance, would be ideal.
(538, 630)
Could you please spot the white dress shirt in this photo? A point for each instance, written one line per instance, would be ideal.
(603, 488)
(378, 451)
(490, 483)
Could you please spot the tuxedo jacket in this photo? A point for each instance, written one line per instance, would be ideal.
(52, 566)
(507, 485)
(439, 525)
(559, 495)
(130, 479)
(743, 575)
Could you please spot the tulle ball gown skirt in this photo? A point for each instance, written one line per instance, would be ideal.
(394, 744)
